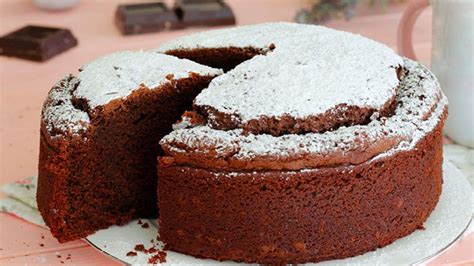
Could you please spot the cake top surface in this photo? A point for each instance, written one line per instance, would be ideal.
(116, 75)
(421, 106)
(306, 70)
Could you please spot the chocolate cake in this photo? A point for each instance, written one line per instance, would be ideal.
(314, 144)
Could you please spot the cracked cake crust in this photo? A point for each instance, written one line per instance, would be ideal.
(420, 107)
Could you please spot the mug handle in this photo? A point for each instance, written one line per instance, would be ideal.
(405, 28)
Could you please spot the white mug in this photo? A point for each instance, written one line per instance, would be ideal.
(55, 4)
(452, 59)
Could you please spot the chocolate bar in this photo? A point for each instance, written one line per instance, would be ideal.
(145, 17)
(204, 13)
(37, 43)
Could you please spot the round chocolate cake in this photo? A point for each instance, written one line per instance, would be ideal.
(314, 144)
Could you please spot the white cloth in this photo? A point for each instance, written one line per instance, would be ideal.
(21, 200)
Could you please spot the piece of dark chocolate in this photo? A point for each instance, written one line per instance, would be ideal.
(145, 17)
(204, 13)
(37, 43)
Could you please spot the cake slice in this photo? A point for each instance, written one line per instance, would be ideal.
(99, 133)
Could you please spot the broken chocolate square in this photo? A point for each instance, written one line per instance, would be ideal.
(145, 17)
(204, 13)
(37, 43)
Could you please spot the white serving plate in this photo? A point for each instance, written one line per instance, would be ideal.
(445, 225)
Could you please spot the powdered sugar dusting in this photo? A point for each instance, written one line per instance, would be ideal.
(311, 70)
(116, 75)
(59, 114)
(184, 123)
(421, 105)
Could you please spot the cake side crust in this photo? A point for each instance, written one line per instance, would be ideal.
(300, 216)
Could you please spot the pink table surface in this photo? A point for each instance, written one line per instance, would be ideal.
(24, 84)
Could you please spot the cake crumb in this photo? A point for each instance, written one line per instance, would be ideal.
(140, 247)
(131, 254)
(151, 250)
(140, 221)
(145, 225)
(158, 258)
